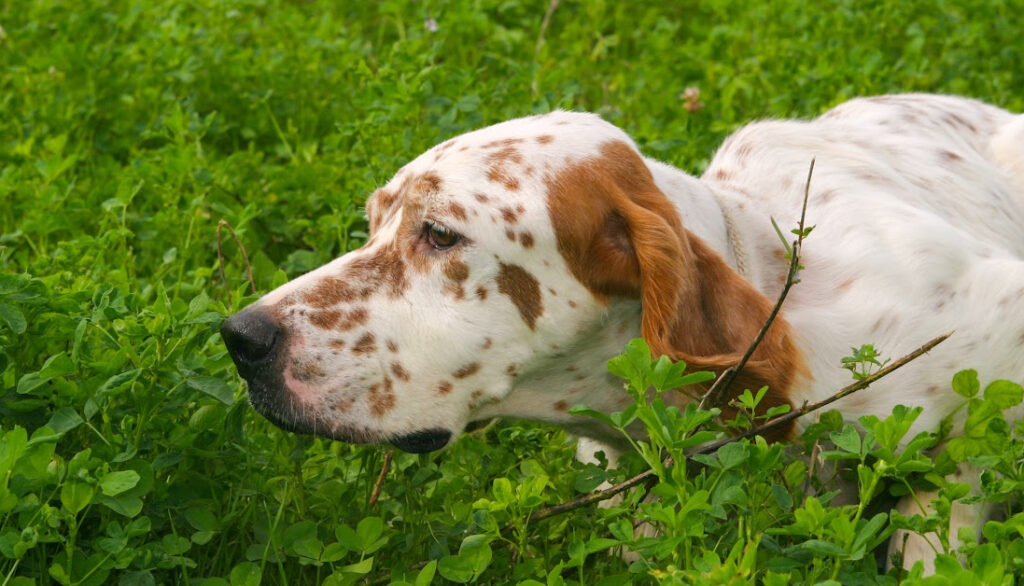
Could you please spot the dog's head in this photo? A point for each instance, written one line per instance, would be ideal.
(486, 253)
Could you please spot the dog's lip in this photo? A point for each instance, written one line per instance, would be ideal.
(423, 440)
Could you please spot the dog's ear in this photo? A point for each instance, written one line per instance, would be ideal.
(622, 236)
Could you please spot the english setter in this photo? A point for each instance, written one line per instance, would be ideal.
(505, 266)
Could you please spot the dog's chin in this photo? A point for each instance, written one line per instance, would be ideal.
(275, 404)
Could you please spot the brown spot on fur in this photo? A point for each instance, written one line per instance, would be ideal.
(455, 210)
(629, 241)
(499, 164)
(481, 197)
(399, 371)
(366, 344)
(392, 347)
(428, 183)
(306, 370)
(951, 156)
(552, 292)
(524, 291)
(572, 304)
(512, 370)
(467, 370)
(353, 318)
(444, 387)
(510, 235)
(845, 285)
(509, 215)
(487, 344)
(571, 368)
(456, 270)
(561, 406)
(481, 292)
(337, 343)
(344, 405)
(526, 239)
(505, 142)
(325, 318)
(545, 138)
(381, 397)
(722, 174)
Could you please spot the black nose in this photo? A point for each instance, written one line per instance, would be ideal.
(252, 337)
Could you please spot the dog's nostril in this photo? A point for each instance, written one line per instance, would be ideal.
(251, 336)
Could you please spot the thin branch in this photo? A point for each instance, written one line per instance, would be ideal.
(220, 258)
(552, 6)
(650, 477)
(713, 398)
(380, 478)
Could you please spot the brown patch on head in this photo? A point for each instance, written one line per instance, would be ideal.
(456, 270)
(628, 240)
(306, 370)
(510, 234)
(524, 291)
(427, 183)
(545, 138)
(325, 318)
(487, 344)
(572, 304)
(363, 277)
(481, 292)
(512, 370)
(381, 397)
(509, 215)
(722, 174)
(467, 370)
(526, 239)
(481, 197)
(366, 344)
(392, 347)
(351, 319)
(336, 344)
(561, 406)
(399, 371)
(443, 388)
(455, 210)
(500, 166)
(384, 270)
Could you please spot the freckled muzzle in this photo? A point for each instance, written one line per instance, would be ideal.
(257, 343)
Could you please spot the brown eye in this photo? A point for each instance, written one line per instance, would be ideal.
(439, 237)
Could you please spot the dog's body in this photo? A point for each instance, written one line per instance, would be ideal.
(508, 264)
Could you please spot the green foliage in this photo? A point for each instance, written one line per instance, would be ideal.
(131, 128)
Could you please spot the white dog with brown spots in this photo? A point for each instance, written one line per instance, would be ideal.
(507, 265)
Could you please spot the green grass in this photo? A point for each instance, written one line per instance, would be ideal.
(129, 130)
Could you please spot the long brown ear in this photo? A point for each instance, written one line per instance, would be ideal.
(626, 238)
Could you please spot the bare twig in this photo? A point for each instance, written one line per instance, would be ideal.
(650, 477)
(220, 258)
(552, 6)
(380, 479)
(713, 397)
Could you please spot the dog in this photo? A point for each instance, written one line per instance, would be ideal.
(507, 265)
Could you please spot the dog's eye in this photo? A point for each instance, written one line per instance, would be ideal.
(440, 237)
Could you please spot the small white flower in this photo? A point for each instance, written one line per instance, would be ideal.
(431, 25)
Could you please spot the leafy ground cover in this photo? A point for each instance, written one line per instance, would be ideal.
(131, 129)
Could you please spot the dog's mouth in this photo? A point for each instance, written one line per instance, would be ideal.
(274, 404)
(422, 441)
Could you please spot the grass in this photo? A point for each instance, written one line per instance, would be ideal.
(130, 129)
